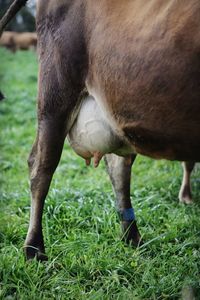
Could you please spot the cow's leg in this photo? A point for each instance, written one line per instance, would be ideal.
(185, 194)
(119, 170)
(43, 161)
(56, 107)
(63, 67)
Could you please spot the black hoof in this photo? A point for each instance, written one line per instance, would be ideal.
(32, 252)
(131, 235)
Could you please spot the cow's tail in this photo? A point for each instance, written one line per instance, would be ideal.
(10, 13)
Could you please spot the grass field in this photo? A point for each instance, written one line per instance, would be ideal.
(87, 259)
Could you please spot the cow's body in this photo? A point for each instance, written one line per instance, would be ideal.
(152, 60)
(140, 60)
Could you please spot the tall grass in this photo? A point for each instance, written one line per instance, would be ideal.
(87, 259)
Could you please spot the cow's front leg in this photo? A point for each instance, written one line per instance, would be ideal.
(119, 170)
(185, 194)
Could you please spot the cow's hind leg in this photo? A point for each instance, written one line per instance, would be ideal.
(63, 67)
(119, 170)
(57, 104)
(43, 161)
(185, 194)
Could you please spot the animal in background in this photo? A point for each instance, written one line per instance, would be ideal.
(18, 41)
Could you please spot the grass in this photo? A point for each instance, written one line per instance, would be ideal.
(87, 259)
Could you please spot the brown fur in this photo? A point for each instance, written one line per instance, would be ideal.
(139, 59)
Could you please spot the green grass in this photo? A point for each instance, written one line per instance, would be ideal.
(87, 260)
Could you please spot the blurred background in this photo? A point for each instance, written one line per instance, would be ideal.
(24, 20)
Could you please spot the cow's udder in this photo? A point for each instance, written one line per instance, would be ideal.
(92, 136)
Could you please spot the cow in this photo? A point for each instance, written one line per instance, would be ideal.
(7, 40)
(140, 61)
(25, 41)
(18, 41)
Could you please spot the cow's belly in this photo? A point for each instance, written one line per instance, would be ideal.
(96, 132)
(158, 131)
(92, 135)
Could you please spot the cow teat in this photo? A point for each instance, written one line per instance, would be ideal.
(92, 136)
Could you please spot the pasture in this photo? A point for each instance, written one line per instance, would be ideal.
(87, 259)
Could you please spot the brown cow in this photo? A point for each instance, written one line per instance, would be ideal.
(140, 60)
(19, 41)
(7, 40)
